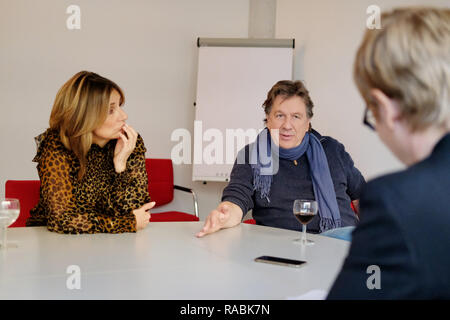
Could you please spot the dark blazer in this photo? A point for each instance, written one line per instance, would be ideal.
(405, 231)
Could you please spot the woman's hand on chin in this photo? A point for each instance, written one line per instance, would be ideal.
(124, 147)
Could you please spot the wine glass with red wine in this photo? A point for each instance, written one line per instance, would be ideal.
(304, 211)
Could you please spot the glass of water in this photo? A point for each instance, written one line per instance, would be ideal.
(9, 212)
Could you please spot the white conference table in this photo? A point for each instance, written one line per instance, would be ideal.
(166, 261)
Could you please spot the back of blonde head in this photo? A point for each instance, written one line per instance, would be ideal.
(80, 107)
(409, 60)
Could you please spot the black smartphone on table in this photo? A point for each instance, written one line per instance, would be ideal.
(280, 261)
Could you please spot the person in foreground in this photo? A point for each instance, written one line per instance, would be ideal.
(91, 164)
(303, 165)
(403, 73)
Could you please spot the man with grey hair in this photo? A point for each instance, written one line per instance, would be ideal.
(306, 165)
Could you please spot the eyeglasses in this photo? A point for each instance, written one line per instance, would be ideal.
(369, 119)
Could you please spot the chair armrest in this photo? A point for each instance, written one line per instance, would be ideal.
(194, 196)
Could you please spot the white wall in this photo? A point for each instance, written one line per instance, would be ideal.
(327, 34)
(262, 18)
(147, 46)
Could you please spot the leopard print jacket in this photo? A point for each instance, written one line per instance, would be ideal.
(101, 202)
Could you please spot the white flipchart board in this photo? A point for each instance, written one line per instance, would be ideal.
(234, 76)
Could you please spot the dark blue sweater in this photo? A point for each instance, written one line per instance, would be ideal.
(294, 182)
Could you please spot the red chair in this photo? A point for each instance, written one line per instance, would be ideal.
(160, 175)
(354, 208)
(27, 191)
(160, 187)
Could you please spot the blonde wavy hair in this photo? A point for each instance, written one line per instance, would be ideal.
(80, 107)
(408, 59)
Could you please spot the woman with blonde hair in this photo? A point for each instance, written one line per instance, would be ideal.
(400, 249)
(91, 163)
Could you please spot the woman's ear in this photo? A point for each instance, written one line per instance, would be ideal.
(387, 112)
